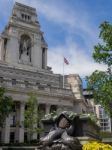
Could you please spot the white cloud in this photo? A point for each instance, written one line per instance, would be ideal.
(79, 61)
(72, 20)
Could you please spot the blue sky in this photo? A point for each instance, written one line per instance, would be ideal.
(71, 28)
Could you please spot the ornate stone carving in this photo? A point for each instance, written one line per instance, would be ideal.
(63, 135)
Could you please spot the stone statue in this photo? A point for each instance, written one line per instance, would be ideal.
(25, 49)
(62, 136)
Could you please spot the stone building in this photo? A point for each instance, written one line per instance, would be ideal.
(23, 69)
(104, 120)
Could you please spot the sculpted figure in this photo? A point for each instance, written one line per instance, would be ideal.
(25, 49)
(62, 136)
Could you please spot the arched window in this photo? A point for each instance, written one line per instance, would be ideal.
(25, 49)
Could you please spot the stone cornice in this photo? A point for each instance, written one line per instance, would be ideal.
(25, 91)
(33, 28)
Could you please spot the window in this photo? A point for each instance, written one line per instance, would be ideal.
(1, 79)
(13, 81)
(43, 58)
(14, 108)
(37, 83)
(53, 108)
(25, 137)
(26, 106)
(29, 17)
(22, 15)
(49, 85)
(0, 137)
(25, 17)
(26, 83)
(41, 87)
(12, 137)
(42, 108)
(13, 121)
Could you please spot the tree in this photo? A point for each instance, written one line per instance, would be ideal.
(101, 81)
(32, 116)
(6, 106)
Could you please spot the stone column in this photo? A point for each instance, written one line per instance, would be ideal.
(59, 109)
(34, 136)
(6, 131)
(48, 108)
(45, 58)
(19, 136)
(2, 48)
(21, 117)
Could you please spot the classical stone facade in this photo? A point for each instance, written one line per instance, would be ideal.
(23, 69)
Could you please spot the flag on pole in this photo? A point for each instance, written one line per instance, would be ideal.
(66, 61)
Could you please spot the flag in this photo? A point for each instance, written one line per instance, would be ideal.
(66, 61)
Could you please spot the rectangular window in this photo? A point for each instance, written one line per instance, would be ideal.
(43, 58)
(1, 79)
(25, 137)
(26, 84)
(12, 137)
(13, 81)
(0, 137)
(13, 121)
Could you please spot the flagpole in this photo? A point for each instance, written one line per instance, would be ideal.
(63, 73)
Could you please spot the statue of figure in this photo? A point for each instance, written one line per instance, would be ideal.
(62, 136)
(25, 49)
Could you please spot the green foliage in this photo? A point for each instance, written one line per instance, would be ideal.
(32, 116)
(106, 134)
(51, 116)
(103, 52)
(6, 105)
(101, 85)
(100, 82)
(71, 115)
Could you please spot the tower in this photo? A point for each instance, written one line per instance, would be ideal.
(22, 43)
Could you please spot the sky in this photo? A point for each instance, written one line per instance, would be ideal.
(71, 29)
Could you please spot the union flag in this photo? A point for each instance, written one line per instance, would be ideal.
(66, 61)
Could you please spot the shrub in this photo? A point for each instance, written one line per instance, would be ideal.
(96, 146)
(106, 134)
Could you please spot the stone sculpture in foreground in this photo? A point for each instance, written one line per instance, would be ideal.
(62, 136)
